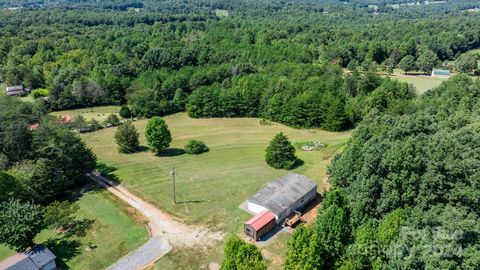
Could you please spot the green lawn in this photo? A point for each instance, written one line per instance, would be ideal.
(210, 186)
(99, 113)
(114, 233)
(421, 82)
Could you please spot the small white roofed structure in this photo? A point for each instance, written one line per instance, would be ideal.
(283, 196)
(16, 90)
(441, 73)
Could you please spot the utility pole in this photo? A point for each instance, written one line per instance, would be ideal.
(172, 173)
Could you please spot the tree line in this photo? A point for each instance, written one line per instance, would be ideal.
(153, 59)
(40, 162)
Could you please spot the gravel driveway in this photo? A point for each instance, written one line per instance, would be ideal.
(144, 256)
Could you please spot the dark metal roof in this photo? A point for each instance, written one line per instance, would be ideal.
(41, 256)
(18, 261)
(34, 259)
(279, 195)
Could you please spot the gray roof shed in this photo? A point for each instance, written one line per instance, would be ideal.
(34, 259)
(285, 194)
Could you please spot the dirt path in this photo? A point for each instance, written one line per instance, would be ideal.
(177, 233)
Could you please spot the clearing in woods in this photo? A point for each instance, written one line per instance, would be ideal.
(210, 186)
(99, 113)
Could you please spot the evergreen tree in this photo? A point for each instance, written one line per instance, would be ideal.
(280, 153)
(157, 134)
(126, 138)
(335, 116)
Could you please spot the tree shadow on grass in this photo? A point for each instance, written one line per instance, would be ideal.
(171, 152)
(297, 164)
(64, 248)
(143, 148)
(108, 171)
(190, 201)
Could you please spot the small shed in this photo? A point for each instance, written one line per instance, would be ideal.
(283, 196)
(259, 225)
(37, 258)
(14, 90)
(441, 73)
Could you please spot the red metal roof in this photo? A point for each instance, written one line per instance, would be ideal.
(260, 220)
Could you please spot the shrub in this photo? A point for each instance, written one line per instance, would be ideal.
(195, 147)
(126, 138)
(125, 112)
(41, 92)
(112, 120)
(94, 125)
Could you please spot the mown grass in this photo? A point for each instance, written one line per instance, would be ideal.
(422, 83)
(210, 186)
(99, 113)
(114, 233)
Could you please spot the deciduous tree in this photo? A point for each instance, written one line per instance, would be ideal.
(19, 224)
(157, 134)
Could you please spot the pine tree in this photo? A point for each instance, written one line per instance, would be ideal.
(280, 154)
(335, 116)
(126, 138)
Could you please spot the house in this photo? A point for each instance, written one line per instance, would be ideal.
(259, 225)
(37, 258)
(441, 73)
(283, 196)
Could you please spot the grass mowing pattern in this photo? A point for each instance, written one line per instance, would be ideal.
(210, 186)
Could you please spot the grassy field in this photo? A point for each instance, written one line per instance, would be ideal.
(211, 186)
(422, 83)
(115, 232)
(99, 113)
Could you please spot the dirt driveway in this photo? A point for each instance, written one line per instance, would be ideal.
(161, 224)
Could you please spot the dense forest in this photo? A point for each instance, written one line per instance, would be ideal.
(259, 58)
(406, 190)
